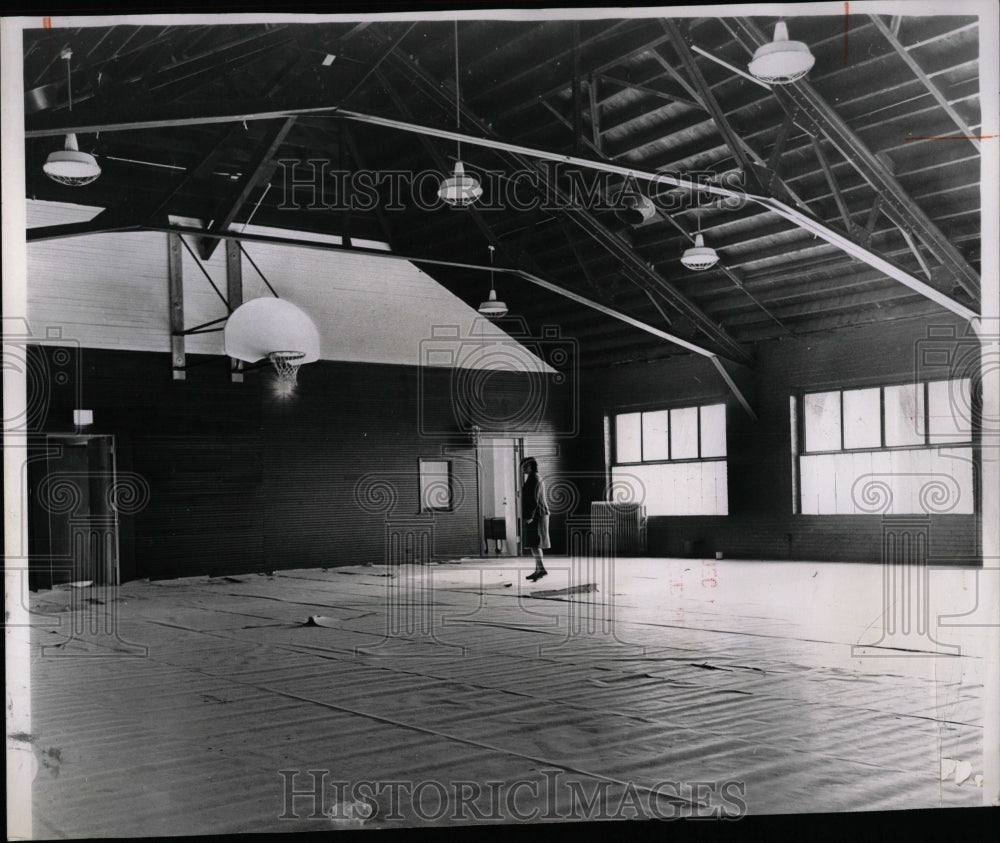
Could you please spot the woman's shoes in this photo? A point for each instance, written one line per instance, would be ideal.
(535, 577)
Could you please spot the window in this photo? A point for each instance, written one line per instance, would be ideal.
(888, 416)
(435, 485)
(899, 450)
(673, 460)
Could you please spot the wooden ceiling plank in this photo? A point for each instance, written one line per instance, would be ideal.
(898, 204)
(935, 92)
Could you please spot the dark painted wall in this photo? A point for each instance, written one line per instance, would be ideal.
(760, 523)
(241, 480)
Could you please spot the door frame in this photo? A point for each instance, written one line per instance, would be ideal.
(54, 448)
(517, 440)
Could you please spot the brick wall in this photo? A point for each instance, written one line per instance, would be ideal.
(761, 523)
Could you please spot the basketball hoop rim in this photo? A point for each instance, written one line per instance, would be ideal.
(288, 356)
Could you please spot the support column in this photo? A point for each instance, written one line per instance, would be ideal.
(175, 280)
(234, 295)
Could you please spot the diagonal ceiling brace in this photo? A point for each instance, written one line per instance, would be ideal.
(838, 197)
(711, 104)
(256, 171)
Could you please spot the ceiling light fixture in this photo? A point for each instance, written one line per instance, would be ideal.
(492, 308)
(699, 256)
(632, 208)
(782, 61)
(459, 189)
(68, 165)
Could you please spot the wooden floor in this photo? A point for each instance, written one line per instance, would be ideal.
(678, 687)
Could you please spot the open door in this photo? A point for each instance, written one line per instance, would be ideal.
(499, 494)
(74, 523)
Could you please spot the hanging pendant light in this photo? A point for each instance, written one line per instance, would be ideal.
(699, 256)
(459, 189)
(68, 165)
(632, 208)
(782, 61)
(492, 308)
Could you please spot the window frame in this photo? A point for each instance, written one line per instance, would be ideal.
(670, 460)
(423, 479)
(923, 386)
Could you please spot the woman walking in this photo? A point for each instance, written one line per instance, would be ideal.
(535, 515)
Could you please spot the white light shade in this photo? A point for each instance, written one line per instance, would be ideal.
(633, 208)
(71, 167)
(782, 61)
(491, 308)
(460, 189)
(699, 256)
(83, 417)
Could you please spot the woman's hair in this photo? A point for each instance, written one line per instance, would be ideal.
(529, 462)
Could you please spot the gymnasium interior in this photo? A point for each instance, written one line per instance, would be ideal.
(289, 299)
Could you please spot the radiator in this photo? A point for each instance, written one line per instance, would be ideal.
(628, 520)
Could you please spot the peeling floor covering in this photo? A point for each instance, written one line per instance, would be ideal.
(734, 671)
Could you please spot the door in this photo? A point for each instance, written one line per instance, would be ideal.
(499, 494)
(74, 516)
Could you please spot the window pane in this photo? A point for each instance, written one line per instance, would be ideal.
(949, 411)
(689, 488)
(654, 436)
(435, 484)
(904, 415)
(862, 418)
(627, 437)
(684, 434)
(822, 421)
(713, 430)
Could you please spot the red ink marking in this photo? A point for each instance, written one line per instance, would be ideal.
(847, 13)
(46, 23)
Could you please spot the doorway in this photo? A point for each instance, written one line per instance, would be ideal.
(499, 460)
(74, 523)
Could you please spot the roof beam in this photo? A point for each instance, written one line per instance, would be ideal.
(535, 275)
(600, 233)
(254, 174)
(646, 89)
(838, 197)
(898, 205)
(890, 36)
(244, 237)
(708, 100)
